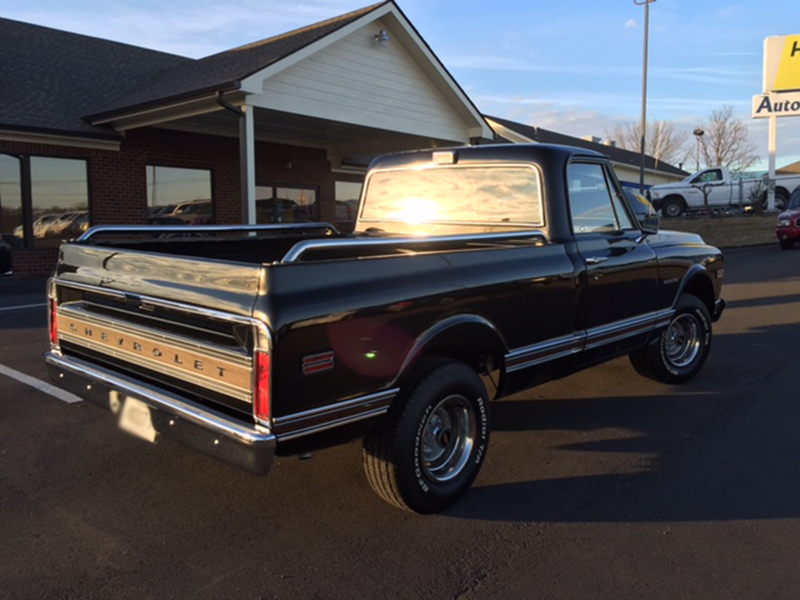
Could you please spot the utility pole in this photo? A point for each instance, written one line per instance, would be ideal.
(646, 4)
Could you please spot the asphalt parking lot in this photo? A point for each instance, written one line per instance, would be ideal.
(602, 485)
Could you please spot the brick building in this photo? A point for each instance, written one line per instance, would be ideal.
(98, 132)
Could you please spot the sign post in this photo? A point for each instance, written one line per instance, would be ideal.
(781, 93)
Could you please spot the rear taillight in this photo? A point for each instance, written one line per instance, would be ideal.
(262, 400)
(53, 323)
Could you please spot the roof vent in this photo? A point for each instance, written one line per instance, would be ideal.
(592, 138)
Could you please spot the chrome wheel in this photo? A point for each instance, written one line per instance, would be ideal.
(448, 436)
(430, 447)
(682, 341)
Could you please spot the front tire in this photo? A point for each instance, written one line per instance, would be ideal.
(430, 447)
(786, 244)
(681, 349)
(781, 199)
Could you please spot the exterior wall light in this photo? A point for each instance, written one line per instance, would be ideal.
(382, 37)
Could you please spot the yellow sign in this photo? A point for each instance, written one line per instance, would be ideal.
(782, 63)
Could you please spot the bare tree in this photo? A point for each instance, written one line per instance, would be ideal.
(663, 142)
(725, 142)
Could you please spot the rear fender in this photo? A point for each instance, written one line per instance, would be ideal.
(468, 338)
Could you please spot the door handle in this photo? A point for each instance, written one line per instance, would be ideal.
(596, 260)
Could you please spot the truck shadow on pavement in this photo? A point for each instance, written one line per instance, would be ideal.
(720, 448)
(734, 467)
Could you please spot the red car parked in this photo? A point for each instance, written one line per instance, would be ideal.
(788, 226)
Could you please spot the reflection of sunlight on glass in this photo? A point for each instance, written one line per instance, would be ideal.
(415, 211)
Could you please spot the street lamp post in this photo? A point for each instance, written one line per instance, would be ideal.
(698, 133)
(646, 4)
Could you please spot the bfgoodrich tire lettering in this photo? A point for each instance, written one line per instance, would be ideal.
(681, 349)
(430, 447)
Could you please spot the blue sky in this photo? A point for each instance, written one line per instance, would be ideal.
(573, 67)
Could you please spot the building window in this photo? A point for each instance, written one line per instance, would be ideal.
(57, 199)
(178, 196)
(286, 204)
(11, 199)
(348, 194)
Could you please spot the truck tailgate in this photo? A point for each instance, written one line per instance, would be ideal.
(219, 285)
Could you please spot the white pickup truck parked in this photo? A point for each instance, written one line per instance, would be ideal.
(723, 189)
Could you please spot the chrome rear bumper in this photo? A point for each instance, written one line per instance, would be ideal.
(222, 437)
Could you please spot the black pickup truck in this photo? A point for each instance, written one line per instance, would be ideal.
(473, 273)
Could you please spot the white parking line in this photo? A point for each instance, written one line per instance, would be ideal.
(22, 306)
(40, 385)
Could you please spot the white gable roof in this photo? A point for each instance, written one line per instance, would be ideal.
(350, 77)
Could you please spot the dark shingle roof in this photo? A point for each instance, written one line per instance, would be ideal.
(619, 155)
(223, 70)
(50, 79)
(54, 81)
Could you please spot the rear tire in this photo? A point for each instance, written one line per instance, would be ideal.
(681, 349)
(430, 447)
(672, 208)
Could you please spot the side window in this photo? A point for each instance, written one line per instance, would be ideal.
(623, 218)
(593, 207)
(708, 176)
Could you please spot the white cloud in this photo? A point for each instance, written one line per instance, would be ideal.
(730, 12)
(630, 24)
(613, 103)
(704, 75)
(593, 119)
(192, 29)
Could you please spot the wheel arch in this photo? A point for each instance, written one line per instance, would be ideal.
(677, 197)
(674, 197)
(697, 282)
(470, 339)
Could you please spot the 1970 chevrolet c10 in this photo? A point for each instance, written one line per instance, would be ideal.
(473, 273)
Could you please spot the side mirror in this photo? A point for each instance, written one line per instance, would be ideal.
(650, 223)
